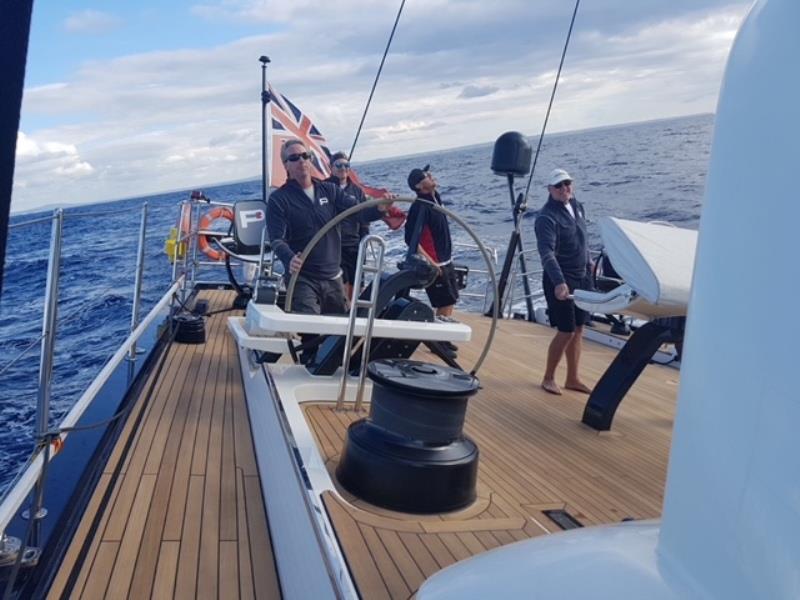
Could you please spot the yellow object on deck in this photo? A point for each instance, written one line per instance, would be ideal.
(173, 248)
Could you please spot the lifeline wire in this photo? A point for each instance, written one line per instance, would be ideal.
(56, 433)
(75, 314)
(375, 83)
(552, 97)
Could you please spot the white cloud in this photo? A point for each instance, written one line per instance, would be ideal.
(75, 168)
(29, 151)
(44, 167)
(91, 22)
(173, 119)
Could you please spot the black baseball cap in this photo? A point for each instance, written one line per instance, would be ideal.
(337, 156)
(417, 175)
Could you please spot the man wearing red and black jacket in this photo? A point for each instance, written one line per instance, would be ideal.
(428, 229)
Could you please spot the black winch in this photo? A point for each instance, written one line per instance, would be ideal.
(410, 454)
(190, 329)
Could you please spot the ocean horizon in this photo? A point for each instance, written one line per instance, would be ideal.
(533, 139)
(648, 171)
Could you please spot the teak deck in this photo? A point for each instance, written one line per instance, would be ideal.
(186, 516)
(535, 456)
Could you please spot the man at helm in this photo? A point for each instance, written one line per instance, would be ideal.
(295, 213)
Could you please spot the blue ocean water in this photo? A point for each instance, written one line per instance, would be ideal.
(647, 171)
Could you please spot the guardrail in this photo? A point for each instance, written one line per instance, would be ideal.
(49, 441)
(27, 479)
(480, 272)
(185, 270)
(512, 298)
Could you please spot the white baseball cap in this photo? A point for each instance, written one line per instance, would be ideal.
(557, 176)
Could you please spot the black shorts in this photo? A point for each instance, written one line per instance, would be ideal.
(348, 263)
(564, 314)
(444, 289)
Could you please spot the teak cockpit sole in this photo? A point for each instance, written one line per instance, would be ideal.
(185, 514)
(536, 456)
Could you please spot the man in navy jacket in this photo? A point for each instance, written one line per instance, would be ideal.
(295, 213)
(352, 229)
(561, 240)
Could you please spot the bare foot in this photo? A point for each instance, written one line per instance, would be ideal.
(548, 385)
(578, 387)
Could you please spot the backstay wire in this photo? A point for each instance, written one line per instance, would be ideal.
(377, 77)
(552, 97)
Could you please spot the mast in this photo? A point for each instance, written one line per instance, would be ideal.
(15, 24)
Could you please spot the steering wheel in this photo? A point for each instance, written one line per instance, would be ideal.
(376, 202)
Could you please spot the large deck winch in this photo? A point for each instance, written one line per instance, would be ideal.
(410, 454)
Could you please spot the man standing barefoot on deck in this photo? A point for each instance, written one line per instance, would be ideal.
(561, 239)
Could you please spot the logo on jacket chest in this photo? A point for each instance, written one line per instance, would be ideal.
(323, 200)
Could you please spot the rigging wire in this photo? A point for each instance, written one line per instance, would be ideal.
(552, 97)
(78, 312)
(375, 83)
(19, 356)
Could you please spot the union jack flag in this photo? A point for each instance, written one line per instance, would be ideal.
(288, 121)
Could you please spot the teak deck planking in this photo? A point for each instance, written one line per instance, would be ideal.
(186, 516)
(535, 455)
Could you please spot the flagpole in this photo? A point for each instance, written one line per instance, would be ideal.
(265, 129)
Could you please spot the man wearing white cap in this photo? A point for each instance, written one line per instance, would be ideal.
(562, 241)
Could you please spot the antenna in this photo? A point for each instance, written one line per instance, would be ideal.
(265, 127)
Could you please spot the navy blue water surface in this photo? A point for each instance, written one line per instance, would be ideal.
(649, 171)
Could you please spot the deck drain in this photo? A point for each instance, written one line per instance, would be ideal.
(562, 518)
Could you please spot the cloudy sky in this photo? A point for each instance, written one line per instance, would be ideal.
(126, 99)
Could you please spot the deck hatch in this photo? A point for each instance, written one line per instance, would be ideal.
(562, 518)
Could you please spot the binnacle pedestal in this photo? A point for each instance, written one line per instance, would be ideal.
(410, 454)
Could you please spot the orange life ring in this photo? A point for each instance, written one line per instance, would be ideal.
(219, 212)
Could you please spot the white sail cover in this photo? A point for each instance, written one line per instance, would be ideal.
(656, 263)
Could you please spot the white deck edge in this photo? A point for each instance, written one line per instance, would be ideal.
(309, 560)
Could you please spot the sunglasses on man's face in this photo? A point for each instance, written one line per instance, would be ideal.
(296, 157)
(341, 165)
(561, 184)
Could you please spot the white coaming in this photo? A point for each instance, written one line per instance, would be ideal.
(269, 320)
